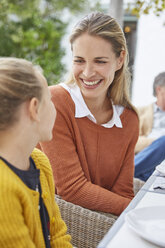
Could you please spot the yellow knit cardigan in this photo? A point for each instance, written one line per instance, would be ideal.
(20, 224)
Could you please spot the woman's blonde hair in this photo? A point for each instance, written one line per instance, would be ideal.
(18, 83)
(106, 27)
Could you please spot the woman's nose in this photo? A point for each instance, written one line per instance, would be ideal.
(88, 70)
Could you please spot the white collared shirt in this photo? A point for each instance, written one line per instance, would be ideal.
(81, 109)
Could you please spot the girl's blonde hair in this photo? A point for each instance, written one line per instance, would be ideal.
(106, 27)
(18, 83)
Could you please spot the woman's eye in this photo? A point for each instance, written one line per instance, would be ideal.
(100, 62)
(78, 61)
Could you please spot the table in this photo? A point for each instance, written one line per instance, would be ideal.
(120, 235)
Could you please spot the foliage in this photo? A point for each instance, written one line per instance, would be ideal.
(34, 30)
(147, 7)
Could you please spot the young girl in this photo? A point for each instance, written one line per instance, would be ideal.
(29, 216)
(92, 150)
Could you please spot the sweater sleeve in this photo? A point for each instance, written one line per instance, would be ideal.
(70, 180)
(13, 229)
(57, 226)
(58, 229)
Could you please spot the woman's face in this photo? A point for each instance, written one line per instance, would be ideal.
(47, 112)
(94, 65)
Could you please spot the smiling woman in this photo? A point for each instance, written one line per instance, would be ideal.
(92, 150)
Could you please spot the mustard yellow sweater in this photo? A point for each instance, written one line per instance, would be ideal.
(20, 225)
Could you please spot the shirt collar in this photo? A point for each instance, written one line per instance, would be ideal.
(156, 108)
(81, 109)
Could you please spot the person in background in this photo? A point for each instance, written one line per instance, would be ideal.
(92, 150)
(150, 148)
(29, 216)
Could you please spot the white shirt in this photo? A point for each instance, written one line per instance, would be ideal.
(158, 128)
(81, 109)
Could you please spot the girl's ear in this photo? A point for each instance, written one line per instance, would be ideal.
(121, 60)
(34, 109)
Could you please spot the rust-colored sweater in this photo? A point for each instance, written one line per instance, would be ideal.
(93, 166)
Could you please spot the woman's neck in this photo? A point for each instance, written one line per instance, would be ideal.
(100, 108)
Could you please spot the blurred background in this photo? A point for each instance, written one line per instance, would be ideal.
(39, 30)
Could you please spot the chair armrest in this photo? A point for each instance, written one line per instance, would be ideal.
(137, 184)
(86, 227)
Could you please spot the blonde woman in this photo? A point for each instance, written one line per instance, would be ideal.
(92, 150)
(29, 216)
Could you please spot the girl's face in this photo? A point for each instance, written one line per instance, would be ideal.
(94, 65)
(47, 112)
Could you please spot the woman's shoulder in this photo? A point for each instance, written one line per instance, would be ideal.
(58, 91)
(61, 97)
(130, 116)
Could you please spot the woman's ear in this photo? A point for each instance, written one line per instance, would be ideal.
(158, 90)
(34, 109)
(121, 60)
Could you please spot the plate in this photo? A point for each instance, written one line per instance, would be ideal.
(148, 223)
(161, 168)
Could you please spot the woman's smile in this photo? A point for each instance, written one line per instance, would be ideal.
(92, 84)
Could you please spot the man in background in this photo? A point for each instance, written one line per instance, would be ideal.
(150, 147)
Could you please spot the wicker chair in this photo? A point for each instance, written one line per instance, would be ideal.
(87, 227)
(137, 184)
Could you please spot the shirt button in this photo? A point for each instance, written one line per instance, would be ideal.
(45, 195)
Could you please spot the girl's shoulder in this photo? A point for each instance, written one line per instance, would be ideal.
(41, 160)
(9, 181)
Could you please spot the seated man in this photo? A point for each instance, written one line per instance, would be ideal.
(150, 148)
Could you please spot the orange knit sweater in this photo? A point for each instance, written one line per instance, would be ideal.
(93, 166)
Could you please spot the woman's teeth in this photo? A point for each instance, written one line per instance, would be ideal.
(91, 82)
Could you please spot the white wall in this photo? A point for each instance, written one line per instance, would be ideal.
(150, 57)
